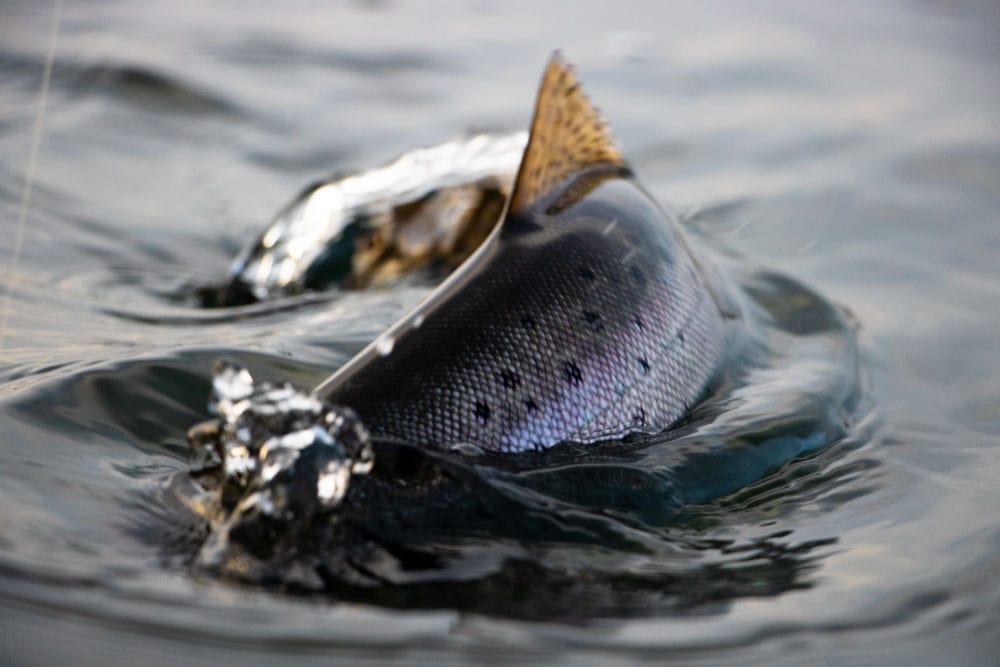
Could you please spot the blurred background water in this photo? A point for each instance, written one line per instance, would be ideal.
(854, 146)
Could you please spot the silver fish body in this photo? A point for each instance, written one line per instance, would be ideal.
(585, 319)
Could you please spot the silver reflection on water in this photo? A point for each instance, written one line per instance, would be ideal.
(280, 259)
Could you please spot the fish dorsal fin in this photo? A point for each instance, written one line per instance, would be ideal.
(568, 135)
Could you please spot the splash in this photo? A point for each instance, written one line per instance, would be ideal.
(273, 454)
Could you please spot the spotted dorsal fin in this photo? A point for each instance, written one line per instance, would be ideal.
(568, 135)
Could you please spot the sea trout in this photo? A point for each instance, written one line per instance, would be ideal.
(582, 317)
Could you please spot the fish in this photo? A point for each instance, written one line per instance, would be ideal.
(417, 217)
(584, 316)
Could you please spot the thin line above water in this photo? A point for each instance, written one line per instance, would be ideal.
(29, 171)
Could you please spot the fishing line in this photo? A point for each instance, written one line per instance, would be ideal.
(29, 171)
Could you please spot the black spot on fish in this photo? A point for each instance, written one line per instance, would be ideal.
(573, 373)
(637, 275)
(639, 416)
(482, 412)
(643, 364)
(528, 322)
(680, 337)
(509, 378)
(587, 273)
(530, 404)
(638, 322)
(593, 320)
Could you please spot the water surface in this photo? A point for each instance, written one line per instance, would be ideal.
(852, 148)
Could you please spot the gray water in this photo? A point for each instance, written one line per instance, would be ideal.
(854, 148)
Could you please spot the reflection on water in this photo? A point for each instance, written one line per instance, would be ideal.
(852, 148)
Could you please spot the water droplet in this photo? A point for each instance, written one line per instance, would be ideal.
(467, 449)
(332, 483)
(385, 344)
(231, 382)
(418, 320)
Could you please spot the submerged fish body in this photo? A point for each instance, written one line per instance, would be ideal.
(582, 317)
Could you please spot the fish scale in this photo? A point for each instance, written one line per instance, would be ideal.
(506, 358)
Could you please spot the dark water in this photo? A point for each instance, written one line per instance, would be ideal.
(853, 149)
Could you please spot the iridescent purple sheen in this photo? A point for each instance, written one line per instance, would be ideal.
(586, 320)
